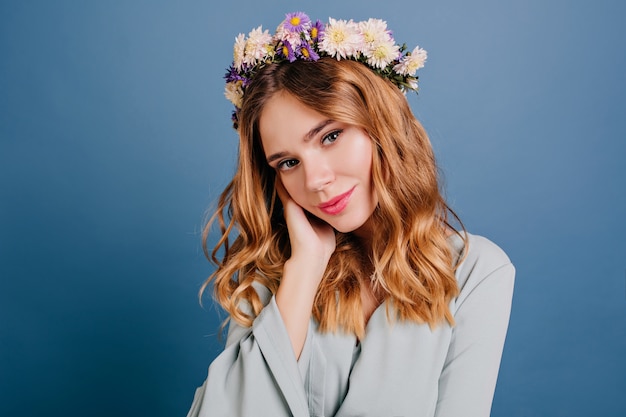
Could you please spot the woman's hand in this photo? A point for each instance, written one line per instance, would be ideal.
(312, 244)
(312, 240)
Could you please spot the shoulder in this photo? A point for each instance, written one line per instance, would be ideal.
(483, 262)
(479, 249)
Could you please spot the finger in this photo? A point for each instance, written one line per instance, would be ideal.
(290, 208)
(297, 219)
(281, 191)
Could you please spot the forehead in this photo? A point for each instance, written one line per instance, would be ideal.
(284, 120)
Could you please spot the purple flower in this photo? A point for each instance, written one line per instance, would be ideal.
(296, 22)
(231, 74)
(307, 52)
(316, 30)
(245, 81)
(234, 117)
(286, 51)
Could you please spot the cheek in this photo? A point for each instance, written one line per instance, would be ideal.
(294, 188)
(360, 158)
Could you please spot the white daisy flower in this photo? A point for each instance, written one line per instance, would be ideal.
(382, 53)
(341, 39)
(374, 31)
(240, 45)
(234, 93)
(410, 63)
(256, 46)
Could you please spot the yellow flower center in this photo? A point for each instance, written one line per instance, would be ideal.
(285, 50)
(380, 53)
(295, 21)
(314, 32)
(338, 36)
(305, 52)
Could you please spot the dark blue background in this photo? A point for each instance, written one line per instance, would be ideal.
(115, 139)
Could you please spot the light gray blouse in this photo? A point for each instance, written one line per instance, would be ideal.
(398, 370)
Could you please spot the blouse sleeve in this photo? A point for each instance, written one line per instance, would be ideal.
(256, 374)
(481, 311)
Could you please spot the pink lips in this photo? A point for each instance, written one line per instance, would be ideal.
(336, 205)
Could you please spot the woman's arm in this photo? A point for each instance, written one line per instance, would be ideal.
(258, 372)
(312, 243)
(481, 312)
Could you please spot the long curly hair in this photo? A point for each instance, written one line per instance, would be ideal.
(412, 262)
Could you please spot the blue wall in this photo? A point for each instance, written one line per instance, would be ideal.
(115, 138)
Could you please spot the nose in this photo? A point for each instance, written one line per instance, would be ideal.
(318, 175)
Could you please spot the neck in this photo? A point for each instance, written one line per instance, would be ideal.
(365, 235)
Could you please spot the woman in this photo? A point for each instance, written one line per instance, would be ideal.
(348, 290)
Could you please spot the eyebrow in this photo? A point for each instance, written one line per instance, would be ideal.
(307, 137)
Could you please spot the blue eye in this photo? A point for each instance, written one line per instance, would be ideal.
(287, 164)
(331, 137)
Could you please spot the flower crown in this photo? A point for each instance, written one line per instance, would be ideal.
(298, 38)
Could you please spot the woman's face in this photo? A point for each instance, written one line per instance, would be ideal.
(325, 165)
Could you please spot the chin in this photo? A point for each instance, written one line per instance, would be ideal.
(345, 227)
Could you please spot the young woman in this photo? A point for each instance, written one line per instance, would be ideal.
(349, 291)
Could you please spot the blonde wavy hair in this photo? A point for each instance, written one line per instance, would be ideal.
(412, 262)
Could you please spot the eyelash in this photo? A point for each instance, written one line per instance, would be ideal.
(281, 166)
(332, 136)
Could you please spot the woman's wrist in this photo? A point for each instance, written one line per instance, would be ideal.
(306, 270)
(305, 273)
